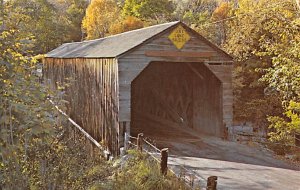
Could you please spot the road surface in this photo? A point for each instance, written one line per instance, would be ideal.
(237, 166)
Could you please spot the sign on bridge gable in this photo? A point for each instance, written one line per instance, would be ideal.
(179, 37)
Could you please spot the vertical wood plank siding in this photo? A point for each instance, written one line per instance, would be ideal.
(92, 93)
(224, 74)
(134, 62)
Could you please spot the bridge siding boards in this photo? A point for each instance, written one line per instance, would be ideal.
(101, 100)
(224, 73)
(92, 95)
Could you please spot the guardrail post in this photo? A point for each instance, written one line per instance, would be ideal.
(212, 183)
(140, 142)
(126, 141)
(225, 131)
(164, 161)
(107, 155)
(192, 178)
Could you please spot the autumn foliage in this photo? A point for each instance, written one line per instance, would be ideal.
(263, 36)
(129, 23)
(99, 17)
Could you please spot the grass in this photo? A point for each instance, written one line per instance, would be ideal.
(140, 173)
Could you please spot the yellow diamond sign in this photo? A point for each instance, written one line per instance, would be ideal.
(179, 37)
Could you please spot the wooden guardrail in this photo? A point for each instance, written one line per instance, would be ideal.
(105, 153)
(143, 145)
(161, 156)
(140, 145)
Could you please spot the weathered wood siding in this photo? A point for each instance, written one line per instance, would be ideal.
(92, 94)
(224, 74)
(132, 63)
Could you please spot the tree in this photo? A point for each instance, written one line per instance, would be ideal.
(264, 37)
(194, 7)
(25, 116)
(35, 18)
(74, 14)
(100, 15)
(44, 22)
(36, 151)
(129, 23)
(198, 14)
(149, 10)
(48, 23)
(285, 127)
(219, 16)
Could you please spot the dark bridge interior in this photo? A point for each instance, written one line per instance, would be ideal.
(168, 98)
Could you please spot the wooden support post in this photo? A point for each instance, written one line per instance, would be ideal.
(192, 179)
(164, 161)
(140, 142)
(126, 140)
(212, 183)
(225, 131)
(107, 155)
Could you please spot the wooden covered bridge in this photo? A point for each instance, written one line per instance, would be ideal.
(145, 80)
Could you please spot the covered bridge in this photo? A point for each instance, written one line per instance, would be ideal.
(145, 80)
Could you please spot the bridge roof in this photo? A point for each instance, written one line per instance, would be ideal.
(111, 46)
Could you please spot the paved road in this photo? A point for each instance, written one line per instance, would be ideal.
(237, 166)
